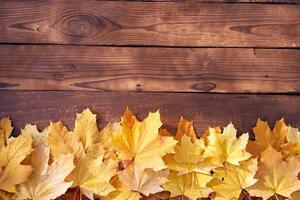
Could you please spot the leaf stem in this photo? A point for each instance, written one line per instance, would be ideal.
(80, 194)
(74, 197)
(246, 195)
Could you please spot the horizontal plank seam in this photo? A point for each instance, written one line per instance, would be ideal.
(203, 2)
(169, 92)
(145, 46)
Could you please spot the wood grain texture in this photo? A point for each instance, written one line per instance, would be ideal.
(150, 23)
(205, 109)
(230, 1)
(226, 70)
(253, 1)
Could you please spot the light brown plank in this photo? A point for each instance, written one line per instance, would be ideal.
(205, 109)
(150, 23)
(225, 70)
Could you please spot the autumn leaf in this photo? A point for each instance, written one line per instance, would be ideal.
(165, 132)
(225, 147)
(12, 172)
(106, 137)
(191, 185)
(92, 171)
(123, 194)
(5, 130)
(59, 140)
(185, 128)
(145, 181)
(135, 160)
(85, 133)
(275, 176)
(37, 136)
(188, 151)
(264, 137)
(5, 195)
(93, 176)
(187, 157)
(141, 141)
(86, 130)
(230, 180)
(292, 147)
(122, 191)
(47, 181)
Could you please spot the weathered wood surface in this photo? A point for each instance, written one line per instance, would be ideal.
(64, 49)
(225, 70)
(205, 109)
(150, 23)
(231, 1)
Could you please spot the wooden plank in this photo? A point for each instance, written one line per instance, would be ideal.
(205, 109)
(255, 1)
(233, 1)
(150, 23)
(225, 70)
(252, 1)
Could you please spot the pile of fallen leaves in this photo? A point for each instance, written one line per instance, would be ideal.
(133, 160)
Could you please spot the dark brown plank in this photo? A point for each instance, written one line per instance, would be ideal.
(205, 109)
(255, 1)
(150, 23)
(225, 70)
(233, 1)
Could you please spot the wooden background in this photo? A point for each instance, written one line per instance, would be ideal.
(212, 61)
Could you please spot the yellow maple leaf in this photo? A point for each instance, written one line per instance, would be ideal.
(47, 181)
(292, 147)
(93, 175)
(146, 181)
(187, 156)
(5, 130)
(275, 176)
(86, 130)
(226, 147)
(279, 134)
(12, 172)
(164, 132)
(186, 137)
(37, 136)
(185, 128)
(106, 136)
(5, 195)
(123, 194)
(59, 139)
(264, 137)
(122, 191)
(92, 171)
(191, 185)
(141, 141)
(230, 180)
(188, 152)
